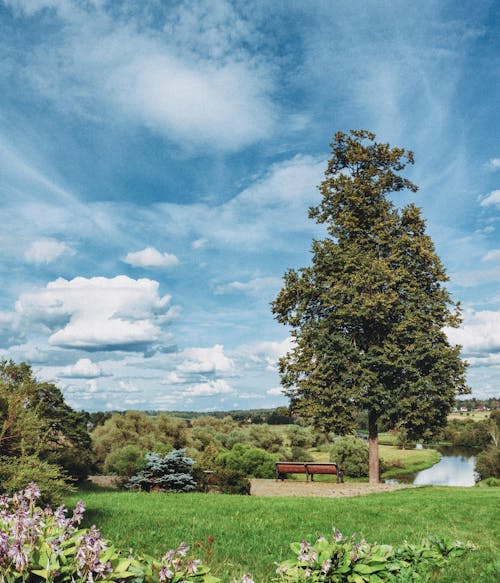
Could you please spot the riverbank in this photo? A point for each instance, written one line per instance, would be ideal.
(400, 462)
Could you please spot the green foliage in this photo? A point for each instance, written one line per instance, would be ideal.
(125, 461)
(231, 481)
(467, 433)
(491, 482)
(351, 455)
(347, 560)
(35, 421)
(367, 316)
(300, 436)
(41, 545)
(266, 438)
(16, 473)
(160, 433)
(252, 461)
(488, 463)
(172, 473)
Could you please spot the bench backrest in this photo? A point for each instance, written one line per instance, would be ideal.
(291, 467)
(321, 468)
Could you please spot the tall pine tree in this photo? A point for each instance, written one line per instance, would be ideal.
(367, 316)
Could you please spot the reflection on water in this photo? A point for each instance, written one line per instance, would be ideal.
(452, 470)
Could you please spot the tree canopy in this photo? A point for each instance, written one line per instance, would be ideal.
(368, 315)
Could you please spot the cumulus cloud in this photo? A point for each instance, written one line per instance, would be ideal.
(254, 286)
(492, 199)
(205, 360)
(46, 250)
(99, 313)
(151, 257)
(84, 368)
(267, 352)
(480, 332)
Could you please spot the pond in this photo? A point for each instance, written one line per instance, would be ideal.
(456, 468)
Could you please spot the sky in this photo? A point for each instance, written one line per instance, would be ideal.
(158, 159)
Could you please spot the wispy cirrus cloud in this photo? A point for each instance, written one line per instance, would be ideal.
(96, 65)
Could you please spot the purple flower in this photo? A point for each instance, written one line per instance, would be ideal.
(165, 573)
(337, 535)
(32, 492)
(192, 566)
(247, 578)
(169, 555)
(182, 549)
(19, 555)
(78, 512)
(326, 566)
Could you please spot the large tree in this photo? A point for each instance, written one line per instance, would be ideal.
(368, 314)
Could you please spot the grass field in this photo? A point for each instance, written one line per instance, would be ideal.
(251, 533)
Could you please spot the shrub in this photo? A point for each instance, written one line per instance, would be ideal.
(488, 463)
(492, 482)
(42, 545)
(17, 473)
(345, 559)
(126, 461)
(249, 460)
(351, 455)
(232, 481)
(172, 473)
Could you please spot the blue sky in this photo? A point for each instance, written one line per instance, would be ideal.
(157, 160)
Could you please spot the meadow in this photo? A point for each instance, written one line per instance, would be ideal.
(251, 533)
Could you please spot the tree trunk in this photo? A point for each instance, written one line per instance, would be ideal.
(373, 449)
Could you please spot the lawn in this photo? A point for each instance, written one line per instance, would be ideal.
(251, 533)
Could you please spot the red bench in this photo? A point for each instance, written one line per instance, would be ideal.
(309, 469)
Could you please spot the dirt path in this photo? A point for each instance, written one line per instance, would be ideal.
(325, 489)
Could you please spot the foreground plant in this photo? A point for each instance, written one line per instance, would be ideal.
(348, 560)
(46, 545)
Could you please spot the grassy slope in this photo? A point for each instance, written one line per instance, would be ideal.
(252, 533)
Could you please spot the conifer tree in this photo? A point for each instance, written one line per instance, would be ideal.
(367, 316)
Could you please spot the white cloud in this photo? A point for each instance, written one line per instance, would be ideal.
(205, 360)
(92, 386)
(493, 198)
(98, 313)
(84, 368)
(494, 163)
(275, 392)
(46, 250)
(208, 389)
(151, 257)
(98, 65)
(267, 352)
(493, 255)
(479, 333)
(254, 286)
(199, 243)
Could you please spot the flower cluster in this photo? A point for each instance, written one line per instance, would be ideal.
(347, 559)
(48, 545)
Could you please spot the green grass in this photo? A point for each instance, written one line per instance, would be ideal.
(408, 461)
(251, 533)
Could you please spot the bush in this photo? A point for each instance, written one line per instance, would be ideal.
(172, 473)
(345, 559)
(17, 473)
(492, 482)
(251, 461)
(126, 461)
(351, 455)
(488, 463)
(232, 481)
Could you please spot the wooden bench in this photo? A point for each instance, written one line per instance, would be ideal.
(309, 469)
